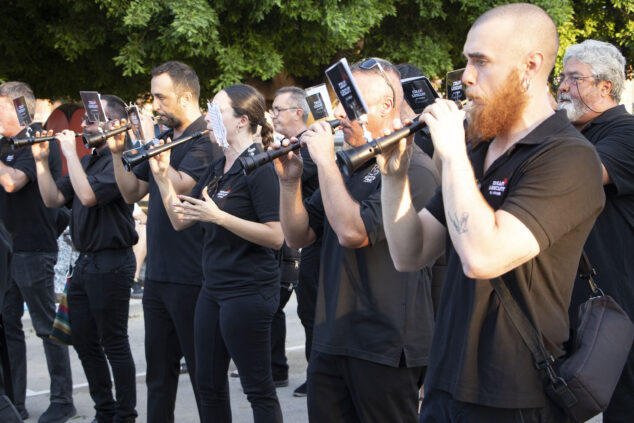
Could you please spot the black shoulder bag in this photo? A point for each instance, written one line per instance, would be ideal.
(582, 382)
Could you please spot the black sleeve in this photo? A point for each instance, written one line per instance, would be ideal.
(616, 152)
(198, 158)
(142, 171)
(316, 214)
(310, 180)
(424, 178)
(436, 207)
(104, 184)
(264, 189)
(66, 187)
(197, 191)
(372, 216)
(556, 190)
(23, 160)
(54, 159)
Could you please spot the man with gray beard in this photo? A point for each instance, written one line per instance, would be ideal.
(590, 88)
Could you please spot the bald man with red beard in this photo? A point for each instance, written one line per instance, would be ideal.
(520, 193)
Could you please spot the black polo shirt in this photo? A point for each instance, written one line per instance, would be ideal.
(365, 308)
(611, 241)
(551, 181)
(310, 183)
(175, 256)
(107, 225)
(233, 266)
(33, 226)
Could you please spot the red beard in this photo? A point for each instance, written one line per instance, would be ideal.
(499, 113)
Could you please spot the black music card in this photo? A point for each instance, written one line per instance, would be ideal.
(93, 107)
(135, 119)
(455, 89)
(418, 93)
(21, 109)
(346, 89)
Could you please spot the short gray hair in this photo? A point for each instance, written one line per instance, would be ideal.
(605, 60)
(16, 89)
(393, 74)
(298, 96)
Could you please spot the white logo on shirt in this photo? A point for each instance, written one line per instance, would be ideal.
(10, 158)
(497, 188)
(222, 193)
(372, 174)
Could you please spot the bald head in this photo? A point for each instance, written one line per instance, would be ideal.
(380, 86)
(523, 28)
(375, 79)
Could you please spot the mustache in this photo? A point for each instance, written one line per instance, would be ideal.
(564, 96)
(469, 94)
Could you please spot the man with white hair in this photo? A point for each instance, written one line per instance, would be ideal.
(590, 88)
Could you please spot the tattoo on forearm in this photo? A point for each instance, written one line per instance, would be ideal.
(459, 223)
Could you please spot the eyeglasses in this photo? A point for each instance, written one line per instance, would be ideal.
(372, 63)
(571, 79)
(276, 110)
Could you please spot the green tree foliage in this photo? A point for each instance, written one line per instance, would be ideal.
(63, 46)
(611, 21)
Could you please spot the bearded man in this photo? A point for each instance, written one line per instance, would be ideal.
(518, 200)
(174, 269)
(590, 88)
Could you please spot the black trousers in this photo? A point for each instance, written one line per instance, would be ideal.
(32, 281)
(621, 407)
(279, 364)
(168, 311)
(346, 390)
(98, 304)
(238, 328)
(440, 407)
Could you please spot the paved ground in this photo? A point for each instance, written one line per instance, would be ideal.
(294, 409)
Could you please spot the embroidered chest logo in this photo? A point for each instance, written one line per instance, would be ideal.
(10, 158)
(223, 193)
(251, 151)
(497, 188)
(372, 174)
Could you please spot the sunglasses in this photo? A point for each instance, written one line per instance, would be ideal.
(372, 63)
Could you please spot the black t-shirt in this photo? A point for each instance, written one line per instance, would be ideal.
(5, 263)
(611, 241)
(310, 182)
(233, 266)
(33, 226)
(551, 181)
(107, 225)
(175, 256)
(365, 308)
